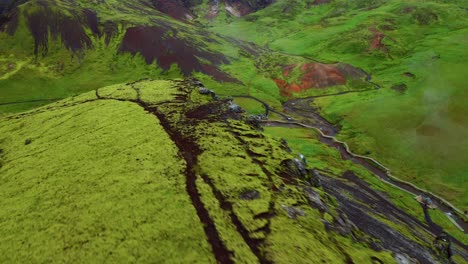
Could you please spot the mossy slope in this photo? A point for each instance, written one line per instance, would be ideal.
(153, 170)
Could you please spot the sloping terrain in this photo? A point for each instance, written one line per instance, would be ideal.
(54, 49)
(363, 106)
(412, 121)
(156, 171)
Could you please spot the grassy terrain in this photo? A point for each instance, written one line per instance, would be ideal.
(305, 142)
(61, 72)
(101, 192)
(105, 191)
(153, 170)
(424, 136)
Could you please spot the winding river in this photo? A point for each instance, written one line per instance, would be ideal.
(311, 119)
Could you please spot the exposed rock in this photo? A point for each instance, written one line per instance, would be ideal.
(293, 212)
(314, 199)
(404, 259)
(197, 83)
(285, 145)
(343, 225)
(204, 91)
(314, 180)
(249, 195)
(296, 168)
(213, 111)
(234, 107)
(443, 247)
(255, 121)
(241, 8)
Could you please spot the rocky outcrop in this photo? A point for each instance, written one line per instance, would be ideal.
(295, 169)
(182, 9)
(241, 8)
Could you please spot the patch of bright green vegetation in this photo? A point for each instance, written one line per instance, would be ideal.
(61, 73)
(85, 182)
(318, 155)
(424, 136)
(234, 174)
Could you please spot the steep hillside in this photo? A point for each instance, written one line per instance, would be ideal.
(157, 171)
(277, 131)
(414, 53)
(53, 49)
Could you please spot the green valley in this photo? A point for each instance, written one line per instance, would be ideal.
(233, 131)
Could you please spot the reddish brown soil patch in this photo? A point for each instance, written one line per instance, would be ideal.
(376, 42)
(428, 130)
(161, 44)
(317, 75)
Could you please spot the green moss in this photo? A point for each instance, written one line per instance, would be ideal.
(100, 192)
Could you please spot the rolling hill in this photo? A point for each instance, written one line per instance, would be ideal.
(233, 131)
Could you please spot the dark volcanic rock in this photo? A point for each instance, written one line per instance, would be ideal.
(213, 111)
(249, 195)
(296, 169)
(178, 9)
(9, 14)
(314, 199)
(293, 212)
(9, 21)
(359, 203)
(8, 5)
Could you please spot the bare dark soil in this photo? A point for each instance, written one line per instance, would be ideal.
(162, 44)
(71, 30)
(9, 22)
(177, 9)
